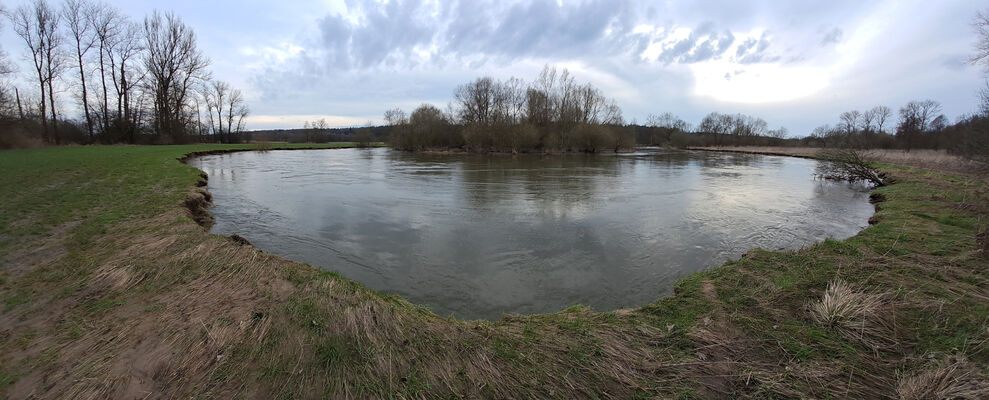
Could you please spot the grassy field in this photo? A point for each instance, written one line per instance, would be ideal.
(110, 289)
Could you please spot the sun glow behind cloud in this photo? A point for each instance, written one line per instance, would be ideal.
(756, 83)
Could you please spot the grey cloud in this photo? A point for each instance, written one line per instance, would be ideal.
(393, 29)
(388, 33)
(702, 44)
(754, 51)
(480, 31)
(745, 47)
(831, 37)
(956, 62)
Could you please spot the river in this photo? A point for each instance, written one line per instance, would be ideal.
(477, 236)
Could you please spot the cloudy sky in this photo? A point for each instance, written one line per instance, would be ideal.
(797, 64)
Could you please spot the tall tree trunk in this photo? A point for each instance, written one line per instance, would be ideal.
(20, 110)
(51, 100)
(85, 100)
(123, 99)
(106, 113)
(44, 109)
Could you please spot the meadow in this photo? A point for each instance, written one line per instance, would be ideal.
(110, 288)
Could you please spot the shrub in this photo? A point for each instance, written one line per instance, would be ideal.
(848, 165)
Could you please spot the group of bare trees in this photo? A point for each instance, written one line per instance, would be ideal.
(662, 128)
(551, 113)
(856, 129)
(920, 125)
(715, 129)
(226, 111)
(100, 76)
(735, 126)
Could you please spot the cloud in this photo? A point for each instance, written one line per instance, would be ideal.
(791, 59)
(411, 34)
(831, 37)
(754, 51)
(376, 33)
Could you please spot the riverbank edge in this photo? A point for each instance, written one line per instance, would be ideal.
(200, 199)
(743, 150)
(875, 198)
(578, 322)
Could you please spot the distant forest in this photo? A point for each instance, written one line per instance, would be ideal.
(320, 134)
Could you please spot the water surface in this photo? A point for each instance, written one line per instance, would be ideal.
(478, 236)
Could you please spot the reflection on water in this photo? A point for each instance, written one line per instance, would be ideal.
(479, 236)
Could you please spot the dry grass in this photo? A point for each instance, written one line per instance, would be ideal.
(936, 160)
(951, 379)
(857, 315)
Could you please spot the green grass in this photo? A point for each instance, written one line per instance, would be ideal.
(108, 268)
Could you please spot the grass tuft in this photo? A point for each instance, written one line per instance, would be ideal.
(955, 379)
(857, 315)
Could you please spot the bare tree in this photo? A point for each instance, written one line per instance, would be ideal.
(778, 133)
(981, 25)
(882, 116)
(868, 120)
(916, 119)
(396, 117)
(6, 69)
(850, 121)
(237, 112)
(80, 31)
(319, 130)
(920, 113)
(126, 74)
(826, 134)
(37, 24)
(664, 126)
(215, 94)
(981, 56)
(229, 108)
(105, 21)
(174, 64)
(984, 99)
(475, 101)
(49, 20)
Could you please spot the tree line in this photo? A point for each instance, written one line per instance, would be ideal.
(553, 113)
(102, 77)
(918, 125)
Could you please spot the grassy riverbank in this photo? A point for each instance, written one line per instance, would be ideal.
(109, 289)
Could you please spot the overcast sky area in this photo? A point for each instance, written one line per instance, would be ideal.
(797, 64)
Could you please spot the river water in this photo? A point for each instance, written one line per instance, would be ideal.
(477, 236)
